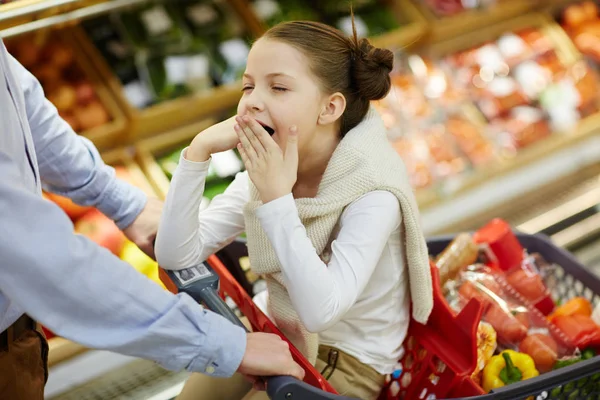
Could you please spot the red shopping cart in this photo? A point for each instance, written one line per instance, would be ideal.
(439, 357)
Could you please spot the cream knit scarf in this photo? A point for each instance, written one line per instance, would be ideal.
(364, 161)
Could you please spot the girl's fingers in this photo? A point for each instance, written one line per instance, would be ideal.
(263, 136)
(251, 133)
(245, 142)
(244, 156)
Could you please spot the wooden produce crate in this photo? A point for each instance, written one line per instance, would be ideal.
(413, 27)
(471, 21)
(587, 127)
(75, 72)
(61, 349)
(22, 12)
(580, 23)
(166, 115)
(148, 150)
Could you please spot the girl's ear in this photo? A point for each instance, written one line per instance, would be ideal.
(332, 109)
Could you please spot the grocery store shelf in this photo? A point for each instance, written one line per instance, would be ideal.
(25, 16)
(464, 23)
(546, 164)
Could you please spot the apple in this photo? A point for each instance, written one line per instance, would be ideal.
(73, 210)
(63, 97)
(102, 230)
(140, 261)
(27, 52)
(85, 93)
(71, 120)
(59, 54)
(92, 115)
(47, 74)
(137, 258)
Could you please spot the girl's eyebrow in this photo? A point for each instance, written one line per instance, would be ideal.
(271, 75)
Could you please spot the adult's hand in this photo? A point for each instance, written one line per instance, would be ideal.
(143, 230)
(268, 355)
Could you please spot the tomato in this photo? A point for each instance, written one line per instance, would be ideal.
(73, 210)
(510, 328)
(542, 348)
(529, 284)
(101, 230)
(581, 330)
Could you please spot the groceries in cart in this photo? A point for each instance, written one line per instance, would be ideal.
(530, 325)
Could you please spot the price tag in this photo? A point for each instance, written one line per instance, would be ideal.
(265, 9)
(202, 14)
(226, 163)
(490, 56)
(235, 52)
(345, 25)
(176, 68)
(511, 45)
(502, 87)
(137, 94)
(156, 20)
(198, 66)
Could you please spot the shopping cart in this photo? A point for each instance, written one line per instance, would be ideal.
(439, 356)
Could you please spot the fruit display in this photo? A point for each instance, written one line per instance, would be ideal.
(525, 330)
(461, 112)
(161, 51)
(582, 23)
(53, 62)
(372, 17)
(90, 222)
(447, 8)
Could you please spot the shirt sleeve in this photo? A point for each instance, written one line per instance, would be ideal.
(187, 236)
(70, 164)
(322, 293)
(84, 293)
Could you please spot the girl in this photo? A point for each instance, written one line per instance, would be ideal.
(330, 218)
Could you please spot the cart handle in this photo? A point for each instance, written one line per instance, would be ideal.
(202, 284)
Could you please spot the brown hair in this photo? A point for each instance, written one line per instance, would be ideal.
(343, 64)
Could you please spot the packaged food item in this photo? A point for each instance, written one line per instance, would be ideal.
(522, 127)
(581, 22)
(518, 268)
(498, 95)
(459, 254)
(446, 159)
(471, 141)
(580, 329)
(542, 349)
(434, 81)
(415, 154)
(486, 346)
(506, 368)
(574, 306)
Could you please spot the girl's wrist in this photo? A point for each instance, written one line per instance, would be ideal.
(197, 152)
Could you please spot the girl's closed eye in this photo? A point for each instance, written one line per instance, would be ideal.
(280, 89)
(247, 88)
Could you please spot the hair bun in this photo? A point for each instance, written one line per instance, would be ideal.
(371, 70)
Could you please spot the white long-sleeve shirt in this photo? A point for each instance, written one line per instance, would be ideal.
(358, 302)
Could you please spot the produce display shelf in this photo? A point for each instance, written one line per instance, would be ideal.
(23, 16)
(147, 151)
(464, 23)
(166, 115)
(437, 199)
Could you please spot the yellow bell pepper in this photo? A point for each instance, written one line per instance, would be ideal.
(506, 368)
